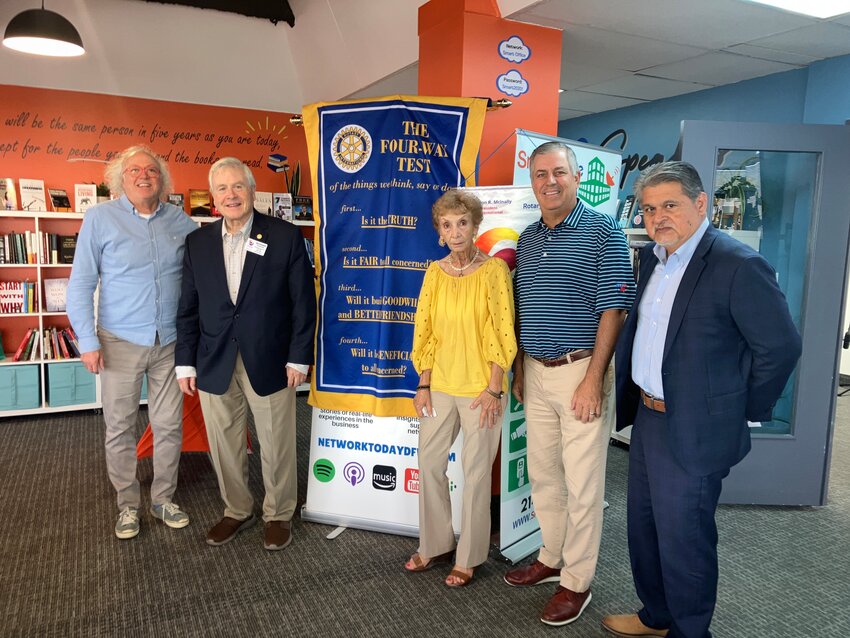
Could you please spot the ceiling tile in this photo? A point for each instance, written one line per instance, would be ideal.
(593, 102)
(765, 53)
(718, 68)
(645, 88)
(575, 75)
(710, 25)
(611, 49)
(824, 40)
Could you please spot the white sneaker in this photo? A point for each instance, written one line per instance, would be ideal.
(128, 523)
(170, 514)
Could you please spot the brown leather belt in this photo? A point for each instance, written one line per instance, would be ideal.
(656, 405)
(570, 357)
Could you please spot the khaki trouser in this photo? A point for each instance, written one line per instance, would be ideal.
(125, 365)
(566, 467)
(436, 435)
(226, 417)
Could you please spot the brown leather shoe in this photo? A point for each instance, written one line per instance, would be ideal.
(535, 574)
(227, 528)
(630, 626)
(276, 535)
(565, 606)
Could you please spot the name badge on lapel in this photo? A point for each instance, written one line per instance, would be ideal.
(256, 247)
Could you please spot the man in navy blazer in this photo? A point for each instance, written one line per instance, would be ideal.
(245, 338)
(708, 345)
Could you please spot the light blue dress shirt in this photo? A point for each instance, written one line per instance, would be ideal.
(654, 312)
(138, 262)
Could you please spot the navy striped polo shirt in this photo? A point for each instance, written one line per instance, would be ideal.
(566, 277)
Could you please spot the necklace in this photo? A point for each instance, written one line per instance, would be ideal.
(460, 269)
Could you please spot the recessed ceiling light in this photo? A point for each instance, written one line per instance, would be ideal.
(560, 90)
(814, 8)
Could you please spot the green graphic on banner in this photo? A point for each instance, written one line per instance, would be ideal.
(594, 188)
(517, 441)
(324, 470)
(517, 474)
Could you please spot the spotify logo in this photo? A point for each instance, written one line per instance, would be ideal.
(324, 470)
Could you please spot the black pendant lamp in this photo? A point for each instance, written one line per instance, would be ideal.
(43, 32)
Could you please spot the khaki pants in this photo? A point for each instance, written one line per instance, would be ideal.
(566, 467)
(226, 417)
(125, 365)
(436, 435)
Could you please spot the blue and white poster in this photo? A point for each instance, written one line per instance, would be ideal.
(378, 165)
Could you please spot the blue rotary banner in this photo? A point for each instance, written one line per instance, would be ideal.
(377, 167)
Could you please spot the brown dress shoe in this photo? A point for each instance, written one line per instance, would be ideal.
(227, 528)
(630, 626)
(535, 574)
(276, 535)
(565, 606)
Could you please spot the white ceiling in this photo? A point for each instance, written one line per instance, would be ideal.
(618, 53)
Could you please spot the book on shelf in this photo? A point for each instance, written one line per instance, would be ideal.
(22, 352)
(72, 340)
(17, 297)
(308, 244)
(177, 199)
(199, 202)
(59, 200)
(8, 198)
(67, 246)
(55, 292)
(283, 206)
(302, 208)
(85, 196)
(35, 342)
(24, 342)
(32, 195)
(264, 202)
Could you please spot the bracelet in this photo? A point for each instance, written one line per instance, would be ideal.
(497, 395)
(423, 387)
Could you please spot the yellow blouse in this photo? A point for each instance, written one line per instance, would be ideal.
(462, 325)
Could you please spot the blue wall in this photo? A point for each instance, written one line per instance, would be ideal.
(819, 94)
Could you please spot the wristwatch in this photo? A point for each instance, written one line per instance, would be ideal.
(497, 395)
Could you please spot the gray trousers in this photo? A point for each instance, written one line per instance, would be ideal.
(125, 365)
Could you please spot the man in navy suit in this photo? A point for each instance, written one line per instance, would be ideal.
(245, 339)
(708, 345)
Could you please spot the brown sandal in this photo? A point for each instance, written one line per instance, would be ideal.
(420, 566)
(464, 578)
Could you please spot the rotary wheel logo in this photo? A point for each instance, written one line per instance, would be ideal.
(351, 148)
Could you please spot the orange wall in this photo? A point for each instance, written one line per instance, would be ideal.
(45, 133)
(459, 56)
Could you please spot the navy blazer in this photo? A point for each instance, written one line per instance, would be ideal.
(730, 347)
(272, 321)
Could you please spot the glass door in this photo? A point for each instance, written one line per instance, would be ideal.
(782, 190)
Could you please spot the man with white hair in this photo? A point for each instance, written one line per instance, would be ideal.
(245, 339)
(133, 247)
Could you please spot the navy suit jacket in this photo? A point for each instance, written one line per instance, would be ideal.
(272, 321)
(730, 347)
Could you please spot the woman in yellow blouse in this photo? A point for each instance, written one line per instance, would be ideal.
(463, 342)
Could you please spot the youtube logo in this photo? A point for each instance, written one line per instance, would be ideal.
(411, 480)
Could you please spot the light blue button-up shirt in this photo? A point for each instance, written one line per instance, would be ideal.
(138, 262)
(654, 312)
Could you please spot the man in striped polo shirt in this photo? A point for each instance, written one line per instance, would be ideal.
(573, 285)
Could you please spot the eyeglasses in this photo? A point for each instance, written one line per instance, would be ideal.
(135, 171)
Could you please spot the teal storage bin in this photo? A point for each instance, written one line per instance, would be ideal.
(69, 384)
(144, 396)
(19, 387)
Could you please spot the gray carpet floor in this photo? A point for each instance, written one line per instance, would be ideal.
(785, 572)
